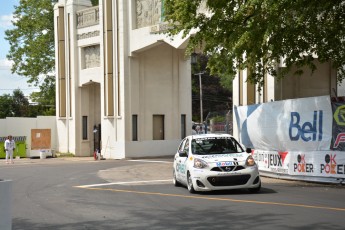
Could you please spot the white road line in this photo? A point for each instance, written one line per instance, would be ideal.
(148, 161)
(122, 183)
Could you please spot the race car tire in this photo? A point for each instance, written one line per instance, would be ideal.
(255, 190)
(190, 184)
(175, 182)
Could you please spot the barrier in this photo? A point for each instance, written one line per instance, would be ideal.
(315, 166)
(299, 139)
(5, 205)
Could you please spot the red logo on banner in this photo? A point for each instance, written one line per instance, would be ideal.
(331, 164)
(340, 138)
(283, 155)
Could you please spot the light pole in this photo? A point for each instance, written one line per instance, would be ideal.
(200, 85)
(194, 61)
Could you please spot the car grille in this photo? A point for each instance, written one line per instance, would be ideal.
(227, 168)
(232, 180)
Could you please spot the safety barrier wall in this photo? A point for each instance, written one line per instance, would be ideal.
(301, 139)
(321, 166)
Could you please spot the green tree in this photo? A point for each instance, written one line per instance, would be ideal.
(6, 106)
(94, 2)
(45, 98)
(32, 40)
(32, 47)
(215, 97)
(20, 104)
(15, 105)
(263, 31)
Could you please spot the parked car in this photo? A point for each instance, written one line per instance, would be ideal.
(207, 162)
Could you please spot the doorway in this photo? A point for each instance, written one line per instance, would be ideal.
(158, 127)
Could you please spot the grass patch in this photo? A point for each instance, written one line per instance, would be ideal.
(64, 155)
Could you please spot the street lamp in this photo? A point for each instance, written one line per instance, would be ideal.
(200, 85)
(194, 61)
(194, 58)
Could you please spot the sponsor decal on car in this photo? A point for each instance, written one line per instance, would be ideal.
(223, 155)
(180, 168)
(227, 173)
(226, 163)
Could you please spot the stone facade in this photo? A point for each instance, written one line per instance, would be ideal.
(120, 88)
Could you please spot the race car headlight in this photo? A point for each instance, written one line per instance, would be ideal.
(250, 161)
(199, 164)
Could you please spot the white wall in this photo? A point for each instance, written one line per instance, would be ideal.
(21, 126)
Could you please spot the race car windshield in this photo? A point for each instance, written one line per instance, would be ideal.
(215, 145)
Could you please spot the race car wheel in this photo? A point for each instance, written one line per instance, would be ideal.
(175, 182)
(255, 190)
(190, 183)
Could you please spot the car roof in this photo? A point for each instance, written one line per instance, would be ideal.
(210, 135)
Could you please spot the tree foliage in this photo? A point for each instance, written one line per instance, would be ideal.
(32, 49)
(94, 2)
(32, 40)
(215, 97)
(16, 105)
(256, 34)
(45, 98)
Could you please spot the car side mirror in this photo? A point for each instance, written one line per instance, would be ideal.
(248, 150)
(182, 153)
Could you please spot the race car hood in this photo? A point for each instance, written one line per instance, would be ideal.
(214, 158)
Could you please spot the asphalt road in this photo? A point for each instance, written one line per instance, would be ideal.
(120, 194)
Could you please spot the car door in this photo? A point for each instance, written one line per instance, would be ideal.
(180, 161)
(184, 160)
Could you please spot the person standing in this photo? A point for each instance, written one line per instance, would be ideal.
(10, 146)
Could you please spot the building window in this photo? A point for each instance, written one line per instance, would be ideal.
(158, 127)
(84, 127)
(135, 127)
(183, 126)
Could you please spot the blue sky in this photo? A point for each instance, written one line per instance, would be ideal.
(9, 81)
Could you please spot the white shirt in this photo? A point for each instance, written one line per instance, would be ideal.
(9, 145)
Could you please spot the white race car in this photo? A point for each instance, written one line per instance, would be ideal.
(214, 162)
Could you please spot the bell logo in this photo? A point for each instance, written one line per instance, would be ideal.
(308, 130)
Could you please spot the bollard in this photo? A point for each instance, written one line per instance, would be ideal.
(5, 205)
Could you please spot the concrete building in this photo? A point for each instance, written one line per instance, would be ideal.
(122, 86)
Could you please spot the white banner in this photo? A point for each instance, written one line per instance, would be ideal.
(299, 164)
(272, 161)
(289, 125)
(317, 163)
